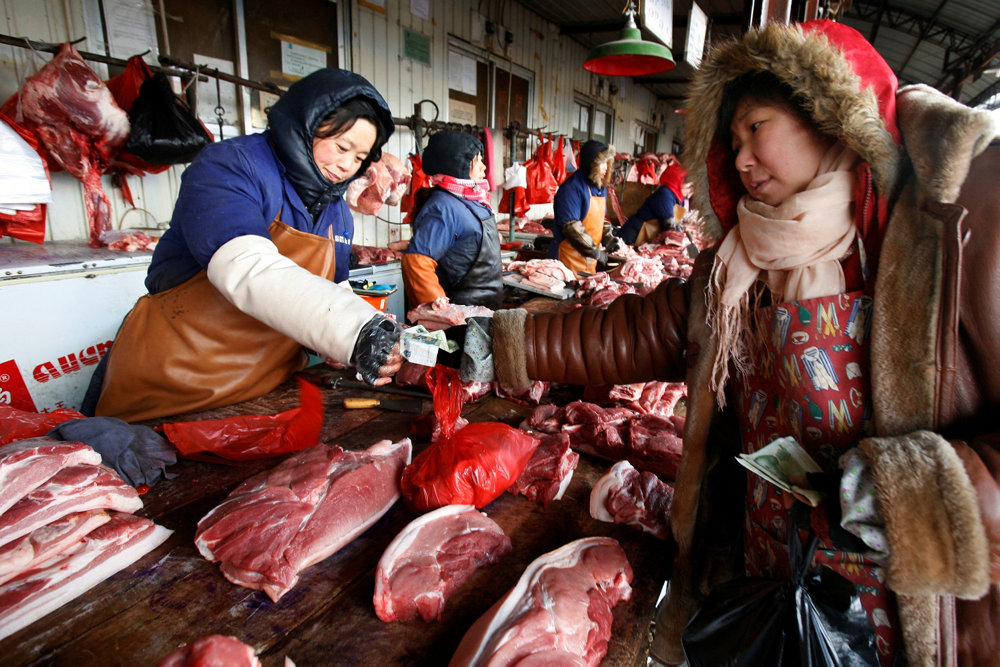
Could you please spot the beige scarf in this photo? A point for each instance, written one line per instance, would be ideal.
(795, 248)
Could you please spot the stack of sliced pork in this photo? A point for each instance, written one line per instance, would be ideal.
(66, 524)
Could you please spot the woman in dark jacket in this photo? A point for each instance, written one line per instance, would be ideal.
(455, 249)
(579, 227)
(866, 332)
(246, 276)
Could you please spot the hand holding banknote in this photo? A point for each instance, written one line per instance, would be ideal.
(784, 463)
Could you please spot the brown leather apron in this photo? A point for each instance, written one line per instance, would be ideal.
(593, 224)
(188, 348)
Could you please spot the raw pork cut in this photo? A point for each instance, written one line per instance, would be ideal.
(80, 125)
(560, 611)
(637, 499)
(73, 489)
(213, 651)
(27, 464)
(549, 470)
(432, 558)
(442, 313)
(104, 551)
(281, 521)
(43, 543)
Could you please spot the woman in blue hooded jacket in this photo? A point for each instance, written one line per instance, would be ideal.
(247, 275)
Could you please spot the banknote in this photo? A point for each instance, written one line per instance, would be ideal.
(784, 463)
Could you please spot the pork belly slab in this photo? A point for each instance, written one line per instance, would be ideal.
(27, 464)
(431, 558)
(278, 523)
(107, 549)
(74, 489)
(558, 613)
(42, 543)
(638, 499)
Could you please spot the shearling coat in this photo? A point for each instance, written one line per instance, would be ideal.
(935, 342)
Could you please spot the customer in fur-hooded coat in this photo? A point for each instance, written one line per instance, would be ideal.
(918, 429)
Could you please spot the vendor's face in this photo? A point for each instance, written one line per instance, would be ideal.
(339, 156)
(602, 171)
(777, 152)
(477, 169)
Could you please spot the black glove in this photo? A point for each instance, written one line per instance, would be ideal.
(602, 259)
(374, 345)
(610, 242)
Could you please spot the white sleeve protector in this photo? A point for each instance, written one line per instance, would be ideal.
(321, 315)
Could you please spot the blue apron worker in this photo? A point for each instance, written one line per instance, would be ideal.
(247, 274)
(455, 249)
(660, 210)
(579, 226)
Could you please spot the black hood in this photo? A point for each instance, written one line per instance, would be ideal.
(293, 120)
(451, 153)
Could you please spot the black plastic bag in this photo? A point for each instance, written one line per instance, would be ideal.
(164, 131)
(814, 618)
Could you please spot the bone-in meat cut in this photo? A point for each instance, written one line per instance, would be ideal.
(213, 651)
(549, 470)
(27, 464)
(73, 489)
(431, 558)
(559, 612)
(638, 499)
(104, 551)
(281, 521)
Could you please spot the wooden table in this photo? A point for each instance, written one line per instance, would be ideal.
(174, 596)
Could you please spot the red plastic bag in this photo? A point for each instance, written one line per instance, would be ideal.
(418, 180)
(468, 466)
(26, 225)
(249, 437)
(20, 424)
(542, 183)
(558, 161)
(521, 205)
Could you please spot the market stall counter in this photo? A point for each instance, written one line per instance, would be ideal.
(174, 596)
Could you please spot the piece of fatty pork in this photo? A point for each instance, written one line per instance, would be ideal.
(282, 521)
(432, 558)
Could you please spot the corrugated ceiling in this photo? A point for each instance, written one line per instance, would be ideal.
(953, 45)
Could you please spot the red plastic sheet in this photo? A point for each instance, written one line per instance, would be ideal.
(248, 437)
(20, 424)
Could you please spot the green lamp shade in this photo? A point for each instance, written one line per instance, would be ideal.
(629, 56)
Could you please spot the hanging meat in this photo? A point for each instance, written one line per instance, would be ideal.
(79, 124)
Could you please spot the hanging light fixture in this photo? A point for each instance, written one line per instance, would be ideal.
(630, 55)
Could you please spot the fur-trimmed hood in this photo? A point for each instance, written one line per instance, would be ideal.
(850, 91)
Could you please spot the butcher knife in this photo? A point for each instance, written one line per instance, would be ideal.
(413, 405)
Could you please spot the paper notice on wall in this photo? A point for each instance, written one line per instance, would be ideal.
(299, 60)
(461, 112)
(461, 73)
(131, 29)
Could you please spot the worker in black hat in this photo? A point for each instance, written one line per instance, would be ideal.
(579, 225)
(455, 249)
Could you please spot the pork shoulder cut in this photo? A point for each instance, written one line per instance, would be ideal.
(432, 558)
(637, 499)
(281, 521)
(212, 651)
(559, 612)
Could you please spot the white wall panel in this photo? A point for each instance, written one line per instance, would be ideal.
(376, 51)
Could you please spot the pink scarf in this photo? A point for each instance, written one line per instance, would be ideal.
(471, 189)
(795, 248)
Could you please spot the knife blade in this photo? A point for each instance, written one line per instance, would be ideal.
(330, 382)
(413, 405)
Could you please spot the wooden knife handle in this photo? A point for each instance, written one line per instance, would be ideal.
(361, 402)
